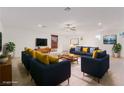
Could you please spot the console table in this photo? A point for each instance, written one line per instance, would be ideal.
(6, 73)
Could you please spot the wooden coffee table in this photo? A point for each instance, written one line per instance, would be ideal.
(70, 57)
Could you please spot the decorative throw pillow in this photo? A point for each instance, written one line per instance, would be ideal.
(33, 53)
(42, 57)
(95, 52)
(85, 50)
(101, 54)
(28, 50)
(25, 49)
(78, 48)
(92, 49)
(53, 59)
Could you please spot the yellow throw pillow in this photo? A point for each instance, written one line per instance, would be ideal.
(53, 59)
(99, 50)
(33, 53)
(28, 50)
(95, 53)
(42, 57)
(85, 50)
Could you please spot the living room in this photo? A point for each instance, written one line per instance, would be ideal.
(81, 26)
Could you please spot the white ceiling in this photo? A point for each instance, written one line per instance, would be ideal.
(84, 18)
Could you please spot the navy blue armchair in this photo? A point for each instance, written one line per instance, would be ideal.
(95, 66)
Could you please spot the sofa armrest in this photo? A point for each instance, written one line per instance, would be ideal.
(87, 59)
(51, 74)
(102, 59)
(104, 62)
(72, 49)
(44, 67)
(90, 59)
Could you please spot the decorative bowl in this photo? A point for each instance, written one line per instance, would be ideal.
(3, 60)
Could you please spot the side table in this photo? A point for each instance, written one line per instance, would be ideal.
(6, 73)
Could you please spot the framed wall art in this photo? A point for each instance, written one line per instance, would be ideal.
(110, 39)
(54, 41)
(74, 41)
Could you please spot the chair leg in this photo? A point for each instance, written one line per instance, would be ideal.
(68, 81)
(83, 74)
(98, 80)
(31, 78)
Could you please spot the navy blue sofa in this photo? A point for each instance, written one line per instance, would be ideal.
(47, 75)
(95, 66)
(78, 50)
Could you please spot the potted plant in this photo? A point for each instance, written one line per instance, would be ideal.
(3, 58)
(10, 48)
(116, 49)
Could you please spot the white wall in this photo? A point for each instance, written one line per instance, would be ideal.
(109, 47)
(89, 39)
(23, 38)
(26, 38)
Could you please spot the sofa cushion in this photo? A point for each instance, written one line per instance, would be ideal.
(88, 54)
(42, 57)
(101, 54)
(53, 59)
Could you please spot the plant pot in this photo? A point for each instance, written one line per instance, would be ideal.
(116, 55)
(11, 54)
(3, 60)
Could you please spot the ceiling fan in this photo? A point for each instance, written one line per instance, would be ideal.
(70, 27)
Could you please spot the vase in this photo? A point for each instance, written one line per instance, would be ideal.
(3, 60)
(11, 54)
(116, 55)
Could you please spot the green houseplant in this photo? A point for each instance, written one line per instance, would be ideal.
(10, 47)
(116, 49)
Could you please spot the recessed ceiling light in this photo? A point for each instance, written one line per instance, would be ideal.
(41, 26)
(98, 37)
(100, 24)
